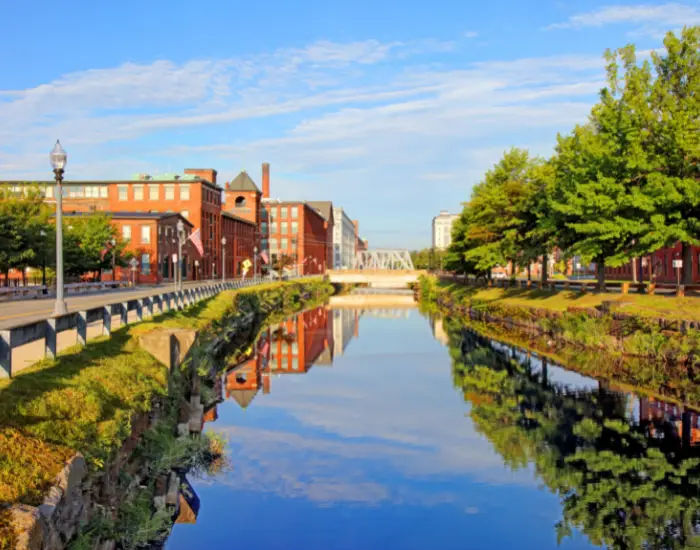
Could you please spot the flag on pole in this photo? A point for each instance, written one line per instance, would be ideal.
(264, 258)
(196, 238)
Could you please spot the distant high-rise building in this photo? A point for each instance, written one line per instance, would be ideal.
(343, 239)
(442, 229)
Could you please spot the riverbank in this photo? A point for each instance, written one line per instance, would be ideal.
(95, 401)
(584, 333)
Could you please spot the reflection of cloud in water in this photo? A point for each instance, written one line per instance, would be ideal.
(376, 428)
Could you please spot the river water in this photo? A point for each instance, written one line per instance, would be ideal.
(384, 429)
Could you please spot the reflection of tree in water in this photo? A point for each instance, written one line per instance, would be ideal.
(625, 484)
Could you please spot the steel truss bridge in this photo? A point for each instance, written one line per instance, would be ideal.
(384, 259)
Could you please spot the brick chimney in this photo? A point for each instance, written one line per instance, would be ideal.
(208, 174)
(357, 228)
(266, 180)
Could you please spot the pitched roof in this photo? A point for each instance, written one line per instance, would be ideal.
(243, 182)
(325, 208)
(243, 397)
(237, 218)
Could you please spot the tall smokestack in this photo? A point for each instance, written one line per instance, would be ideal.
(266, 180)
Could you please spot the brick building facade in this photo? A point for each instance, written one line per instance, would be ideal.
(659, 264)
(152, 240)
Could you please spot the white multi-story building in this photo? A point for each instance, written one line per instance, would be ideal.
(442, 229)
(343, 240)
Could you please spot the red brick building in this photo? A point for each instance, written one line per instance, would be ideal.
(195, 195)
(325, 208)
(152, 240)
(659, 264)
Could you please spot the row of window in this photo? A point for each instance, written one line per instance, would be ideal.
(153, 190)
(278, 244)
(276, 212)
(79, 191)
(284, 227)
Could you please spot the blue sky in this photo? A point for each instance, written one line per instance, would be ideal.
(392, 110)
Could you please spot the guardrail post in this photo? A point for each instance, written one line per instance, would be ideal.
(107, 320)
(149, 306)
(166, 298)
(5, 353)
(139, 309)
(50, 338)
(157, 300)
(81, 327)
(125, 313)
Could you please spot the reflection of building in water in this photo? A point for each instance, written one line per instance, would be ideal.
(291, 346)
(387, 313)
(438, 331)
(345, 323)
(295, 344)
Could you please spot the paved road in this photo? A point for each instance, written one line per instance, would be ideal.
(27, 311)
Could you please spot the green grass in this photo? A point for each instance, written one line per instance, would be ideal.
(672, 308)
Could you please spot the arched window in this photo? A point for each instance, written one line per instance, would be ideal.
(240, 202)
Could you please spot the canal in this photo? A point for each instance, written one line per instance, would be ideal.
(386, 429)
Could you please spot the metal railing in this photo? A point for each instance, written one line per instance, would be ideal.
(160, 301)
(41, 291)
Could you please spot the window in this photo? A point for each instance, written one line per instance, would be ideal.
(146, 264)
(273, 228)
(169, 192)
(283, 212)
(240, 202)
(263, 244)
(138, 192)
(273, 214)
(145, 234)
(284, 244)
(126, 232)
(104, 191)
(295, 228)
(263, 228)
(154, 192)
(273, 244)
(49, 191)
(185, 214)
(92, 191)
(184, 191)
(295, 212)
(284, 228)
(123, 192)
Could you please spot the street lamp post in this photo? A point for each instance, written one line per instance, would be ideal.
(255, 262)
(223, 259)
(180, 238)
(113, 242)
(58, 161)
(43, 257)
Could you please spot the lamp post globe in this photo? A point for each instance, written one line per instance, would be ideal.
(223, 259)
(58, 159)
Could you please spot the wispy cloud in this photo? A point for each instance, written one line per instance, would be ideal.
(337, 120)
(646, 18)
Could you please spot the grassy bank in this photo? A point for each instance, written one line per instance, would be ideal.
(573, 320)
(643, 305)
(86, 398)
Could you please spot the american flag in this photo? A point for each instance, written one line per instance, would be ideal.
(264, 258)
(196, 238)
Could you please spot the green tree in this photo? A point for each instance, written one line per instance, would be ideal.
(675, 138)
(490, 229)
(87, 244)
(600, 202)
(23, 217)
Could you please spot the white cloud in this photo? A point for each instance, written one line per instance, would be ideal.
(470, 34)
(653, 18)
(335, 120)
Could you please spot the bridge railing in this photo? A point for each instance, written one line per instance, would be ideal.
(47, 330)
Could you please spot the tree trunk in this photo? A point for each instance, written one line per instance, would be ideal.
(634, 270)
(529, 273)
(545, 261)
(600, 270)
(687, 255)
